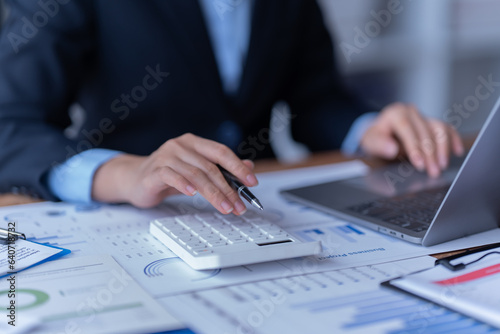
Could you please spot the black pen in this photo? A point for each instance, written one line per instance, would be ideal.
(240, 188)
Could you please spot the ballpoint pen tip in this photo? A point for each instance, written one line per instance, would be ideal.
(257, 204)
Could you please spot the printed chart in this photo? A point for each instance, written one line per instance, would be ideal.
(342, 301)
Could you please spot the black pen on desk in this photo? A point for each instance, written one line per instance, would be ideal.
(240, 188)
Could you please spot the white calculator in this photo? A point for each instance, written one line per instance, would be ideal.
(213, 240)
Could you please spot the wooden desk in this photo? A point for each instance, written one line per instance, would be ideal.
(316, 159)
(11, 199)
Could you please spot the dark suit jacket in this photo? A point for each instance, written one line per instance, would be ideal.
(144, 72)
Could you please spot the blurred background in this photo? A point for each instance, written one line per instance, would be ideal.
(431, 53)
(441, 55)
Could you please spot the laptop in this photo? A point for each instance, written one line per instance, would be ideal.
(400, 201)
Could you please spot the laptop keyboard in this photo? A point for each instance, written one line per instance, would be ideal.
(413, 211)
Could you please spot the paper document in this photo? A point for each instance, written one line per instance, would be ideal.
(81, 295)
(346, 301)
(473, 291)
(21, 254)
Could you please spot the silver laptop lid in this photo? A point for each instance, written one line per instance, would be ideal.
(472, 204)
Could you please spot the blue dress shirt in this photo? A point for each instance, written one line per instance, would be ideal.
(229, 27)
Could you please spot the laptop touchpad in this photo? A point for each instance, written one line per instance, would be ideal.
(394, 180)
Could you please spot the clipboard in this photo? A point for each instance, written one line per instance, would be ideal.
(467, 283)
(32, 253)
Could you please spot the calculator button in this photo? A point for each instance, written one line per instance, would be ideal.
(237, 240)
(277, 234)
(181, 234)
(233, 219)
(199, 251)
(174, 228)
(216, 243)
(188, 240)
(232, 234)
(205, 215)
(212, 240)
(186, 220)
(278, 239)
(253, 233)
(210, 237)
(260, 238)
(197, 245)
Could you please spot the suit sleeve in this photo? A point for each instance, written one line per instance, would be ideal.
(323, 110)
(45, 47)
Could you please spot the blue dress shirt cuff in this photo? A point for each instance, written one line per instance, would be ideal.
(71, 181)
(352, 142)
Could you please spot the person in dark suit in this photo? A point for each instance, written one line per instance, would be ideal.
(172, 88)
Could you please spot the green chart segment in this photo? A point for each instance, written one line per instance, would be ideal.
(40, 298)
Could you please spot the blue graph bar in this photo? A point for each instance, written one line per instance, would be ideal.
(312, 234)
(355, 230)
(380, 306)
(308, 235)
(458, 325)
(49, 237)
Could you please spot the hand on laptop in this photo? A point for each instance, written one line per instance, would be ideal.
(401, 129)
(186, 164)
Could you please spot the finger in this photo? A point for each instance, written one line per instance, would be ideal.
(404, 131)
(249, 164)
(427, 143)
(196, 162)
(442, 140)
(170, 177)
(153, 189)
(215, 175)
(209, 190)
(224, 156)
(456, 142)
(171, 191)
(210, 183)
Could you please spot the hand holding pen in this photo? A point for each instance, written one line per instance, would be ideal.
(186, 164)
(240, 188)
